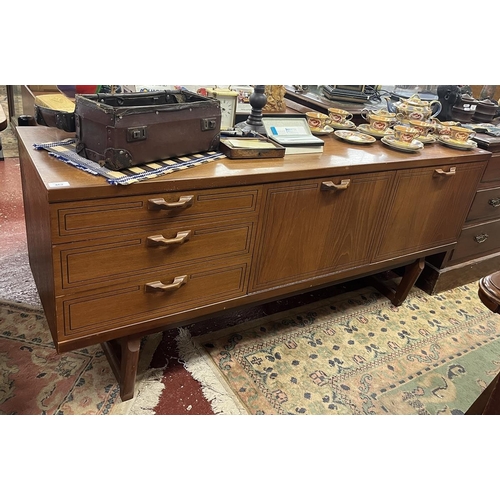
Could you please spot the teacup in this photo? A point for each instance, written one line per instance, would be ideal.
(318, 120)
(402, 133)
(461, 134)
(443, 128)
(339, 115)
(423, 127)
(380, 123)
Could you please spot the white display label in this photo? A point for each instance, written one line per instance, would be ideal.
(58, 184)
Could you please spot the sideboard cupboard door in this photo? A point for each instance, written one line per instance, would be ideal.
(317, 227)
(427, 209)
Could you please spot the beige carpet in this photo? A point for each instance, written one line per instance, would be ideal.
(355, 354)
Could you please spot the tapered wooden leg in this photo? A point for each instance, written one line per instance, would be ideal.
(398, 295)
(412, 272)
(123, 356)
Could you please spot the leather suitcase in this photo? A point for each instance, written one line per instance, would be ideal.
(122, 130)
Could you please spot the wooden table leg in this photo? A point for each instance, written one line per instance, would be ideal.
(398, 295)
(123, 356)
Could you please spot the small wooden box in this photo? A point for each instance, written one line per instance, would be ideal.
(258, 146)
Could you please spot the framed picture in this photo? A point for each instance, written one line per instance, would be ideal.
(243, 103)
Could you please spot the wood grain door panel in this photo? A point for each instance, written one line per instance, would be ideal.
(427, 209)
(308, 231)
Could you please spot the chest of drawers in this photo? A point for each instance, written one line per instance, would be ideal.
(477, 252)
(115, 263)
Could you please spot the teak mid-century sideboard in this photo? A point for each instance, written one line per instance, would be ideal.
(115, 263)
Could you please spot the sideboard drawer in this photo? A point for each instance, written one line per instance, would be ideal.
(477, 241)
(99, 218)
(132, 303)
(104, 260)
(100, 262)
(492, 172)
(486, 205)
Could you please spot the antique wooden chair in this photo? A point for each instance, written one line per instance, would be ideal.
(488, 403)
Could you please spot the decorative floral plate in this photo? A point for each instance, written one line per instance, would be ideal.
(347, 125)
(366, 129)
(406, 147)
(322, 131)
(354, 137)
(447, 141)
(427, 139)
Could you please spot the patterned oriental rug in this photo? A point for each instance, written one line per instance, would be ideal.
(355, 354)
(35, 380)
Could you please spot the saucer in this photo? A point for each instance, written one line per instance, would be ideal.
(347, 125)
(354, 137)
(366, 129)
(406, 147)
(426, 139)
(322, 131)
(448, 141)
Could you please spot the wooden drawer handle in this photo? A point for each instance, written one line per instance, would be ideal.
(158, 286)
(440, 171)
(481, 238)
(158, 240)
(494, 202)
(331, 186)
(161, 204)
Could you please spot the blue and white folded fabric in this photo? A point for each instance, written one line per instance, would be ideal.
(65, 151)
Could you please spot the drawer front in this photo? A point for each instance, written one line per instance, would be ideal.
(477, 241)
(492, 172)
(100, 218)
(132, 303)
(486, 205)
(109, 259)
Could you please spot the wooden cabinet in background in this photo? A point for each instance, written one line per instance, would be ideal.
(477, 252)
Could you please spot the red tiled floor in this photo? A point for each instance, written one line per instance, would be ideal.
(12, 228)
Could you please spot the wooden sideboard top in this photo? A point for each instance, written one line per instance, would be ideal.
(339, 158)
